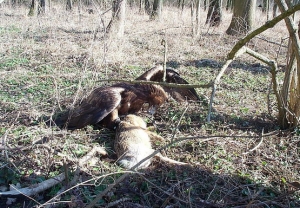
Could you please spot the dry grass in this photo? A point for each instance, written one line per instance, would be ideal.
(51, 62)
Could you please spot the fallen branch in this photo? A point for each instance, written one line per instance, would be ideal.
(36, 188)
(175, 85)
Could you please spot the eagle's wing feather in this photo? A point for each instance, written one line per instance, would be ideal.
(180, 94)
(94, 108)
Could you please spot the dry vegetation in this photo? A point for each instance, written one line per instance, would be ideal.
(51, 62)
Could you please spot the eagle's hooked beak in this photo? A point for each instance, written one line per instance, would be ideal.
(152, 109)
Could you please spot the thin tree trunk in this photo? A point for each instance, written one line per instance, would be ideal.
(43, 7)
(229, 5)
(141, 6)
(214, 15)
(69, 5)
(147, 7)
(198, 8)
(275, 10)
(117, 22)
(157, 7)
(205, 4)
(33, 10)
(289, 116)
(243, 17)
(195, 11)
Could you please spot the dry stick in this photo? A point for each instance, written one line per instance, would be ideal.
(274, 69)
(159, 83)
(29, 191)
(37, 188)
(272, 42)
(164, 43)
(175, 130)
(165, 192)
(217, 80)
(4, 143)
(238, 47)
(56, 198)
(260, 142)
(291, 27)
(93, 179)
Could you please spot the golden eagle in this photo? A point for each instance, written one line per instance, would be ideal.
(179, 94)
(105, 104)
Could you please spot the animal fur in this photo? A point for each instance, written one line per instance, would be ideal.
(179, 94)
(133, 143)
(105, 104)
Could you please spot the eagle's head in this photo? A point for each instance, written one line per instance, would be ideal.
(156, 98)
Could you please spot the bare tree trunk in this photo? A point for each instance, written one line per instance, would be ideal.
(43, 7)
(147, 7)
(117, 22)
(266, 7)
(156, 11)
(198, 8)
(195, 5)
(229, 5)
(275, 10)
(289, 114)
(214, 15)
(205, 4)
(69, 5)
(243, 17)
(141, 6)
(33, 10)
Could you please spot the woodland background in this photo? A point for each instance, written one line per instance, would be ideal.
(51, 59)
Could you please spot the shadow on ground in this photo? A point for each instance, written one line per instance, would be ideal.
(213, 64)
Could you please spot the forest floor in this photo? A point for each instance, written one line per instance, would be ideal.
(240, 159)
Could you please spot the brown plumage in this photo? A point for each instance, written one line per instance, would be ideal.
(179, 94)
(133, 143)
(105, 104)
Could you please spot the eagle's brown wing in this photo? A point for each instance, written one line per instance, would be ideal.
(100, 103)
(179, 94)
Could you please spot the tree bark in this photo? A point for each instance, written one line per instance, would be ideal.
(33, 10)
(195, 5)
(274, 9)
(289, 114)
(243, 17)
(43, 7)
(69, 5)
(205, 4)
(38, 7)
(229, 5)
(147, 7)
(117, 22)
(157, 8)
(214, 15)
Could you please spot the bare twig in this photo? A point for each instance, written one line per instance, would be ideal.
(164, 43)
(158, 83)
(260, 142)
